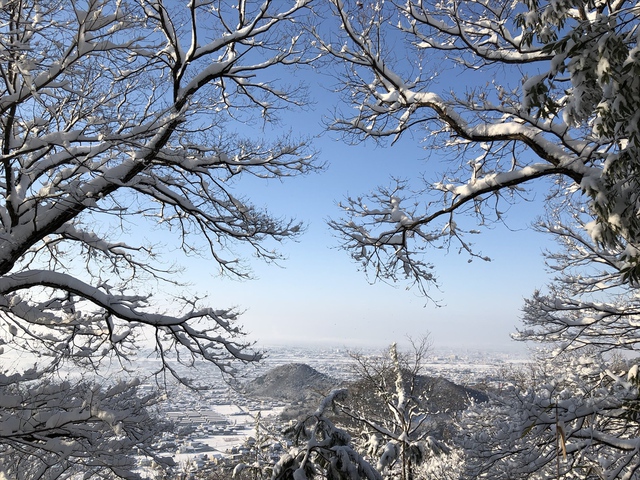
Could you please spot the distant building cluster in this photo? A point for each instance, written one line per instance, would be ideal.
(218, 425)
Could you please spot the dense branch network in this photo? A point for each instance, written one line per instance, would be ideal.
(54, 430)
(125, 117)
(573, 418)
(588, 303)
(562, 119)
(120, 117)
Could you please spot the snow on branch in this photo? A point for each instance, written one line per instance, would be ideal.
(390, 241)
(118, 117)
(49, 429)
(567, 415)
(588, 303)
(321, 447)
(552, 110)
(108, 318)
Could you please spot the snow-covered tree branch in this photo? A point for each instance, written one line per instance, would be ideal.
(125, 120)
(113, 112)
(546, 90)
(323, 450)
(588, 303)
(60, 430)
(569, 417)
(388, 406)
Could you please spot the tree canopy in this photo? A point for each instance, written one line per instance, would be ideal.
(541, 90)
(509, 94)
(117, 118)
(114, 114)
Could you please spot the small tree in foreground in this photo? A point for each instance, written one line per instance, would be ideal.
(390, 410)
(114, 121)
(323, 451)
(379, 418)
(261, 452)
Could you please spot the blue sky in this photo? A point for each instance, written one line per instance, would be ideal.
(320, 297)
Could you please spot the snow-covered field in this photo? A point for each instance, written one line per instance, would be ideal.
(228, 440)
(238, 415)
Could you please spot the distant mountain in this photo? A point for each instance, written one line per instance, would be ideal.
(440, 398)
(442, 395)
(298, 383)
(294, 382)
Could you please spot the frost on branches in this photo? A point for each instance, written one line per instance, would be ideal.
(116, 118)
(546, 90)
(572, 417)
(510, 94)
(321, 450)
(59, 430)
(587, 304)
(389, 410)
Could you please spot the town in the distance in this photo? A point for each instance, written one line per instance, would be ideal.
(215, 428)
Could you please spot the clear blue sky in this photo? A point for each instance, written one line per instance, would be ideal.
(320, 297)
